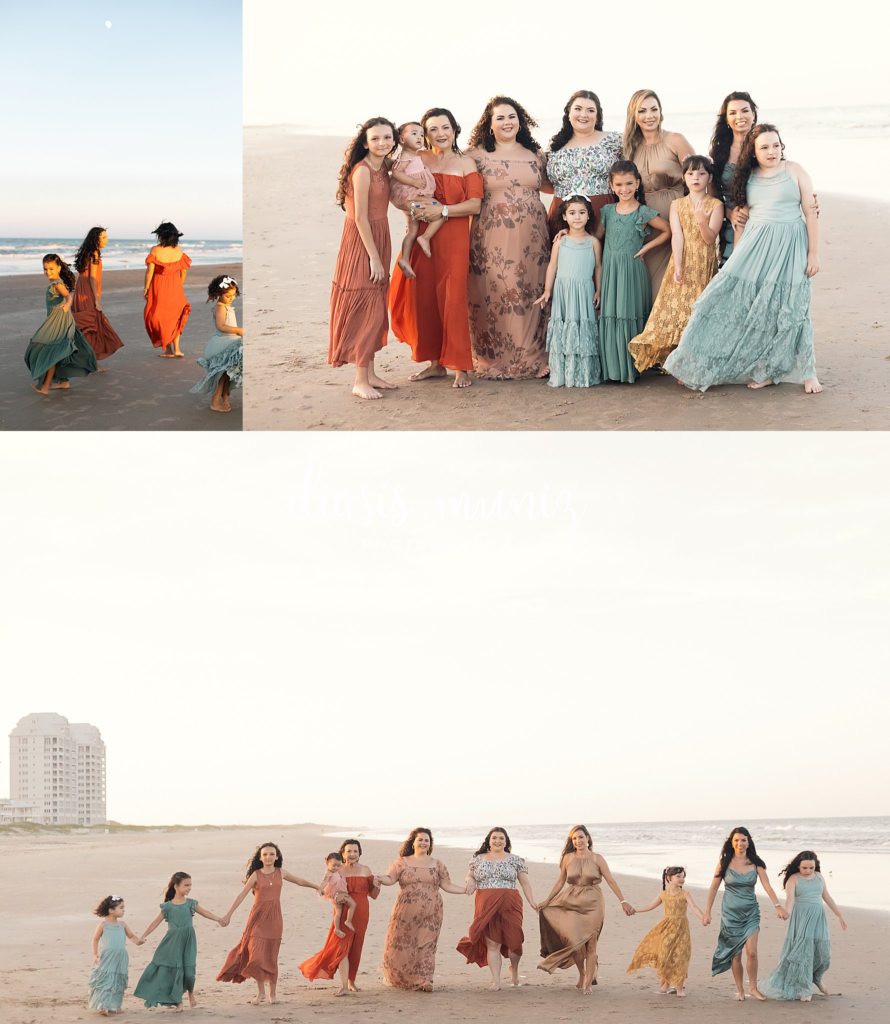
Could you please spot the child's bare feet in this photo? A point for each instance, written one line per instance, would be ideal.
(60, 386)
(424, 244)
(755, 991)
(40, 390)
(740, 996)
(822, 988)
(514, 976)
(681, 992)
(806, 999)
(192, 1001)
(462, 379)
(379, 382)
(257, 999)
(812, 386)
(494, 987)
(365, 391)
(351, 927)
(216, 405)
(354, 988)
(101, 369)
(343, 992)
(428, 372)
(339, 934)
(406, 268)
(755, 384)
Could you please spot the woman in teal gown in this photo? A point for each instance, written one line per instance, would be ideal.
(752, 325)
(806, 952)
(739, 868)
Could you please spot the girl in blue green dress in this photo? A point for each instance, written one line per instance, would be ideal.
(110, 975)
(626, 295)
(806, 952)
(738, 869)
(573, 279)
(172, 968)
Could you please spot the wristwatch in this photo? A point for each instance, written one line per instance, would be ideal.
(444, 213)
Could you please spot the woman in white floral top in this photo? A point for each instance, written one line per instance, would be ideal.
(580, 156)
(496, 930)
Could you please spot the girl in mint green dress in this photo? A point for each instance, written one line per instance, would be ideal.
(110, 975)
(626, 294)
(171, 972)
(573, 280)
(751, 325)
(806, 952)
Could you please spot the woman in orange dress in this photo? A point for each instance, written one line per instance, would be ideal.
(343, 955)
(87, 307)
(256, 955)
(359, 323)
(496, 930)
(166, 307)
(430, 312)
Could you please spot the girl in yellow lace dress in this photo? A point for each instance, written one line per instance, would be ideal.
(696, 220)
(668, 946)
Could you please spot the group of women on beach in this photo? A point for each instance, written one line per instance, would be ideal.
(571, 919)
(627, 258)
(76, 336)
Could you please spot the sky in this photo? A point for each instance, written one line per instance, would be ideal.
(122, 126)
(694, 630)
(337, 64)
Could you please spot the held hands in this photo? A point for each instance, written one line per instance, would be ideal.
(782, 914)
(139, 942)
(429, 211)
(224, 921)
(628, 909)
(378, 273)
(812, 264)
(706, 919)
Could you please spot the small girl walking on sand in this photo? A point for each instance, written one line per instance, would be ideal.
(58, 351)
(110, 975)
(668, 946)
(333, 885)
(172, 968)
(411, 181)
(224, 356)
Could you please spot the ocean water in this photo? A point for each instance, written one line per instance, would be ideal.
(829, 142)
(25, 255)
(854, 852)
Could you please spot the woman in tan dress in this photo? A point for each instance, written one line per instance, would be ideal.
(509, 246)
(409, 953)
(658, 155)
(572, 918)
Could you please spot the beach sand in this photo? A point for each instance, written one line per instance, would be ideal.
(50, 885)
(292, 231)
(140, 391)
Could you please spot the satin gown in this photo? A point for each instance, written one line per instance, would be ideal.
(92, 322)
(574, 916)
(739, 918)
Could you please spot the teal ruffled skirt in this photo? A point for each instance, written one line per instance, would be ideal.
(224, 354)
(109, 980)
(805, 956)
(59, 343)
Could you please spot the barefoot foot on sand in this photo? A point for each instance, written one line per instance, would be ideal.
(101, 369)
(812, 386)
(425, 245)
(406, 268)
(353, 987)
(62, 385)
(379, 382)
(257, 999)
(740, 996)
(494, 987)
(822, 989)
(365, 391)
(681, 992)
(462, 380)
(342, 992)
(217, 407)
(429, 372)
(757, 993)
(755, 384)
(40, 391)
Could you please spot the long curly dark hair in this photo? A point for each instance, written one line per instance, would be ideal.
(589, 227)
(407, 848)
(486, 842)
(452, 120)
(168, 236)
(88, 251)
(256, 861)
(727, 852)
(356, 151)
(567, 131)
(482, 136)
(349, 842)
(65, 272)
(177, 878)
(793, 867)
(628, 167)
(570, 846)
(721, 140)
(748, 161)
(107, 905)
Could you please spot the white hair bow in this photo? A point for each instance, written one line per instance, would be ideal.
(227, 282)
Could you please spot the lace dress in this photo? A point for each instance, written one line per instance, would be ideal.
(668, 946)
(572, 332)
(806, 952)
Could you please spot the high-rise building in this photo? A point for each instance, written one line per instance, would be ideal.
(58, 768)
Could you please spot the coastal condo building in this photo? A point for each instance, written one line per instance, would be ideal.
(56, 772)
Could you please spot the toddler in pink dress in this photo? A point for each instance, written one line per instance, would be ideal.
(410, 180)
(333, 887)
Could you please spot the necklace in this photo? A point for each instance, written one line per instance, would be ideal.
(271, 875)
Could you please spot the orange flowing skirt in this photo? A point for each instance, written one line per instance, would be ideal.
(256, 955)
(325, 963)
(498, 918)
(167, 309)
(91, 322)
(359, 321)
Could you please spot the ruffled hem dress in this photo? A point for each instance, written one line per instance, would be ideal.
(806, 952)
(166, 309)
(668, 946)
(59, 343)
(497, 914)
(92, 322)
(752, 322)
(325, 963)
(224, 354)
(172, 969)
(110, 977)
(256, 955)
(572, 333)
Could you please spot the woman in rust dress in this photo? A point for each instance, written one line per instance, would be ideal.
(87, 306)
(343, 955)
(429, 313)
(572, 918)
(166, 307)
(409, 955)
(496, 930)
(256, 955)
(359, 323)
(509, 247)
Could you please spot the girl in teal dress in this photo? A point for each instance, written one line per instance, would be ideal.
(573, 279)
(806, 952)
(738, 869)
(752, 323)
(109, 977)
(58, 351)
(626, 290)
(172, 968)
(223, 357)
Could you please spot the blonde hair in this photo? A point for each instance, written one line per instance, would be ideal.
(633, 135)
